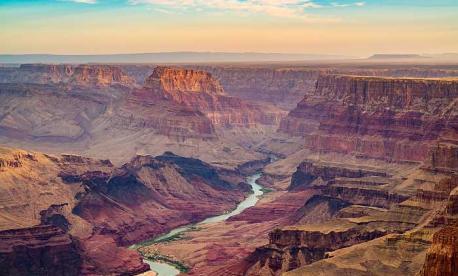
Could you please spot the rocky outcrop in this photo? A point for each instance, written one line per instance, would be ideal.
(254, 166)
(144, 110)
(290, 248)
(284, 86)
(175, 81)
(89, 209)
(319, 208)
(384, 118)
(84, 74)
(442, 257)
(101, 75)
(309, 171)
(39, 250)
(364, 196)
(148, 196)
(443, 157)
(200, 91)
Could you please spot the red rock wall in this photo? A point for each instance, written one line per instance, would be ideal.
(200, 91)
(177, 80)
(308, 171)
(442, 257)
(394, 119)
(40, 250)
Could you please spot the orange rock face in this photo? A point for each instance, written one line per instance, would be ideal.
(174, 80)
(284, 86)
(442, 257)
(200, 91)
(394, 119)
(100, 75)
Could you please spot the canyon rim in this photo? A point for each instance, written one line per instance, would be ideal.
(164, 138)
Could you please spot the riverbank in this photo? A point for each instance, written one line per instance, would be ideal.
(169, 266)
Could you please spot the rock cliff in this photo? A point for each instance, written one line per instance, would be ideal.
(174, 80)
(39, 250)
(385, 118)
(84, 74)
(87, 210)
(292, 248)
(309, 171)
(442, 257)
(200, 91)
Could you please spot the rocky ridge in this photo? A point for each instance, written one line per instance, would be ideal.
(386, 118)
(85, 209)
(200, 91)
(84, 75)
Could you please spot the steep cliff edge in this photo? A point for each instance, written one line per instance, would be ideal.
(87, 209)
(442, 256)
(290, 248)
(200, 91)
(148, 196)
(39, 250)
(84, 74)
(174, 80)
(353, 205)
(385, 118)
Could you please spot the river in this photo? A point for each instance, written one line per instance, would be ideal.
(164, 269)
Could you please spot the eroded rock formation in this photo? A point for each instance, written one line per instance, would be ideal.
(39, 250)
(85, 75)
(200, 91)
(87, 209)
(442, 257)
(386, 118)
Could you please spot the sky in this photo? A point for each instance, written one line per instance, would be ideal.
(340, 27)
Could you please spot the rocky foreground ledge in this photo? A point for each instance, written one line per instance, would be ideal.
(73, 215)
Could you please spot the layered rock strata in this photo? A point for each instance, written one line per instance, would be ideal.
(200, 91)
(87, 210)
(84, 74)
(39, 250)
(442, 256)
(385, 118)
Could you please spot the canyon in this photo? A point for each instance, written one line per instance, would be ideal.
(86, 210)
(358, 164)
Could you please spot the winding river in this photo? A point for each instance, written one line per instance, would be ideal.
(164, 269)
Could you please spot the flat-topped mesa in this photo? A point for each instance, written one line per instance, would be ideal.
(291, 247)
(397, 94)
(200, 91)
(309, 171)
(103, 75)
(179, 80)
(84, 74)
(383, 118)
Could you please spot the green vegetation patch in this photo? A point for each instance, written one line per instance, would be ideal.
(155, 257)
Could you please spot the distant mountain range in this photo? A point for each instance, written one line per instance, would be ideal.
(396, 56)
(211, 57)
(165, 57)
(445, 56)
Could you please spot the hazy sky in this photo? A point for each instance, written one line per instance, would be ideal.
(286, 26)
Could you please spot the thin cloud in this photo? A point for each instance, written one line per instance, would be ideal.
(356, 4)
(276, 8)
(83, 1)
